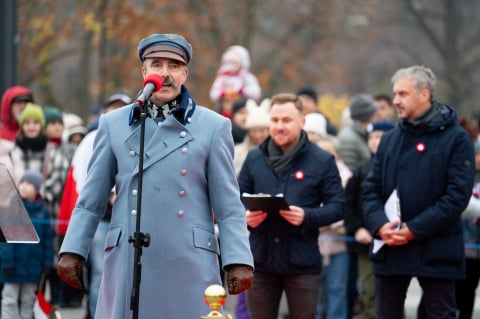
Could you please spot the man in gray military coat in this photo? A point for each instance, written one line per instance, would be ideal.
(188, 181)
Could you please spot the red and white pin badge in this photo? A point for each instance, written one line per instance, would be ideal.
(299, 175)
(420, 147)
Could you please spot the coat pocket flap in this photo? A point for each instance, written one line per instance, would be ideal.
(113, 236)
(205, 239)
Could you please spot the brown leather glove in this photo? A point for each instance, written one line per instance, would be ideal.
(239, 278)
(69, 269)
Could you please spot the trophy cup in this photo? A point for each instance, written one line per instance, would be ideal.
(215, 296)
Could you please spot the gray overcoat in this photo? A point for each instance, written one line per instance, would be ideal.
(188, 175)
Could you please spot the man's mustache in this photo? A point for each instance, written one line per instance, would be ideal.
(167, 80)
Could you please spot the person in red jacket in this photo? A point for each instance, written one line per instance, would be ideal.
(14, 101)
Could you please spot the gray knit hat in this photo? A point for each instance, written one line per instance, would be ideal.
(362, 107)
(34, 178)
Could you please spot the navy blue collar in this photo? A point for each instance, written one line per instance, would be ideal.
(182, 112)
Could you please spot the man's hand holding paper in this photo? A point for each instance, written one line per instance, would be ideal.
(393, 233)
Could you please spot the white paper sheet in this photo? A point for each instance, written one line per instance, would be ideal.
(392, 210)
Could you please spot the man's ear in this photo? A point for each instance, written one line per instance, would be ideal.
(426, 95)
(185, 76)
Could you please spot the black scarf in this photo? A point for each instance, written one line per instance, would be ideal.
(279, 161)
(425, 117)
(34, 144)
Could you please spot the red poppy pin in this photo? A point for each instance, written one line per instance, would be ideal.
(299, 175)
(420, 147)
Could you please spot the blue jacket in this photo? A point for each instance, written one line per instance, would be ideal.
(29, 260)
(432, 165)
(278, 246)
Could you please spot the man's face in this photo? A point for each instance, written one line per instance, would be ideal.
(17, 109)
(309, 105)
(385, 111)
(286, 124)
(409, 101)
(174, 73)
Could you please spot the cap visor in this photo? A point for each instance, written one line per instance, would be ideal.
(166, 54)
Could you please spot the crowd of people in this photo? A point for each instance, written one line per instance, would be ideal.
(333, 254)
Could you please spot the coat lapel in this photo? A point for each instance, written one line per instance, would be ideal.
(159, 140)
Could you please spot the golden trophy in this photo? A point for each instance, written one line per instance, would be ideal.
(215, 296)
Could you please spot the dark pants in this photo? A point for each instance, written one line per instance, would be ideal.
(353, 293)
(263, 298)
(438, 295)
(465, 289)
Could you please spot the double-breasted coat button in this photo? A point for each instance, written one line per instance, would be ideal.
(183, 172)
(183, 134)
(131, 153)
(209, 243)
(184, 150)
(276, 240)
(181, 213)
(181, 193)
(133, 212)
(134, 192)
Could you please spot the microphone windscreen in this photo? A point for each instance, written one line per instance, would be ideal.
(154, 79)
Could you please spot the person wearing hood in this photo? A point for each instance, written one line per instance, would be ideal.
(234, 76)
(14, 101)
(428, 160)
(234, 81)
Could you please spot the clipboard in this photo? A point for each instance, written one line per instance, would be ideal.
(268, 203)
(15, 223)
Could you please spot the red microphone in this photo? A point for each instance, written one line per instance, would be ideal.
(152, 83)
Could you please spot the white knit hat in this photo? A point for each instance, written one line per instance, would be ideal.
(258, 115)
(241, 52)
(71, 120)
(315, 122)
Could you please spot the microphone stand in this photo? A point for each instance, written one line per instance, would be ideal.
(139, 239)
